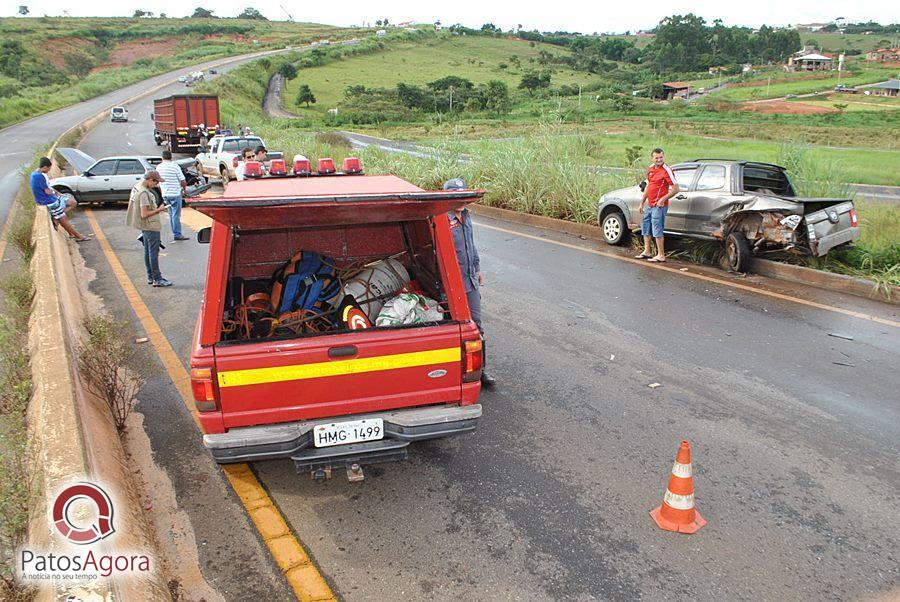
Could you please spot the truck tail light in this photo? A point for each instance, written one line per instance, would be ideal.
(351, 165)
(277, 167)
(234, 162)
(203, 386)
(252, 169)
(854, 218)
(472, 360)
(325, 165)
(302, 166)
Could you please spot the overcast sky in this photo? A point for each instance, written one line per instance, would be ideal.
(568, 15)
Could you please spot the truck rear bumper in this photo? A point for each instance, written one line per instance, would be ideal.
(292, 439)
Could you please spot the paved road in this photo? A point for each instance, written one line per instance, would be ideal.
(236, 563)
(795, 451)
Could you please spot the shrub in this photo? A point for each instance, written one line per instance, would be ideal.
(113, 366)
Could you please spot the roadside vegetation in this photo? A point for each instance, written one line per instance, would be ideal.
(48, 63)
(16, 487)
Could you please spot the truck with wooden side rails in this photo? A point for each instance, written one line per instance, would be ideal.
(304, 349)
(181, 121)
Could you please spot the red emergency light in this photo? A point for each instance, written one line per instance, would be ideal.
(351, 165)
(302, 166)
(253, 169)
(277, 167)
(325, 165)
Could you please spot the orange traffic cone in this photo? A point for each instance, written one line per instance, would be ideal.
(677, 511)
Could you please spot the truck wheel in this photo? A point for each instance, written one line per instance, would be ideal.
(737, 250)
(224, 173)
(615, 228)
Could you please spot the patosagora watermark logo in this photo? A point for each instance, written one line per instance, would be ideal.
(102, 528)
(82, 514)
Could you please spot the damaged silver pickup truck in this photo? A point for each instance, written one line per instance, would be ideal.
(751, 207)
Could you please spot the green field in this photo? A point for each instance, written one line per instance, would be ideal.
(478, 59)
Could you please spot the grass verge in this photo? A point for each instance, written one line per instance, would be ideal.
(16, 489)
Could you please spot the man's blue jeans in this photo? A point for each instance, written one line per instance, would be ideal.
(151, 254)
(174, 203)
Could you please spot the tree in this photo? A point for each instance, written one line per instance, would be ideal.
(305, 95)
(623, 104)
(532, 81)
(142, 13)
(202, 13)
(11, 54)
(378, 23)
(252, 13)
(496, 97)
(287, 71)
(490, 28)
(163, 16)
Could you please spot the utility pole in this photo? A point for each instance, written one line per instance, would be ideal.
(451, 99)
(579, 98)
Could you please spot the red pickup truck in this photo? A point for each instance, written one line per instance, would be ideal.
(340, 397)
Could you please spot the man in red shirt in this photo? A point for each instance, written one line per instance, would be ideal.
(661, 186)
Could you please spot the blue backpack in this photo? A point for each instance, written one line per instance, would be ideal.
(305, 282)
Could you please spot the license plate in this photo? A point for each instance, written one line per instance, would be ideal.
(354, 431)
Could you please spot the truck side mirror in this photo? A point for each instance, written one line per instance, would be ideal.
(204, 235)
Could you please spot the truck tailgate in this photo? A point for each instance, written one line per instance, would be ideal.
(325, 376)
(830, 227)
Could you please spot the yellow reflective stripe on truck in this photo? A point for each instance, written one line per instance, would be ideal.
(258, 376)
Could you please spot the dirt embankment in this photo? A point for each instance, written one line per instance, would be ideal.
(129, 52)
(54, 50)
(786, 108)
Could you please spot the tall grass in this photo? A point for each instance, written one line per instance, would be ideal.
(542, 173)
(876, 256)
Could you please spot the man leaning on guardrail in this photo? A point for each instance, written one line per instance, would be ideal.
(57, 204)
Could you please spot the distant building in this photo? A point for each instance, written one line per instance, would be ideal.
(811, 27)
(675, 90)
(888, 88)
(884, 55)
(810, 62)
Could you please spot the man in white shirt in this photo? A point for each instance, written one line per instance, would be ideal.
(173, 186)
(246, 155)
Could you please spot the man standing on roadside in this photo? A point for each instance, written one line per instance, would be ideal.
(173, 188)
(143, 214)
(469, 264)
(661, 186)
(57, 204)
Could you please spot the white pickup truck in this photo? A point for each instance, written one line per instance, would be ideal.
(223, 153)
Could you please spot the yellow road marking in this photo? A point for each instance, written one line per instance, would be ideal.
(195, 220)
(704, 277)
(302, 575)
(256, 376)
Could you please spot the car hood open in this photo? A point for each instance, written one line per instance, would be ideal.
(76, 158)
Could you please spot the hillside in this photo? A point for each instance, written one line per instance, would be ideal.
(478, 59)
(48, 63)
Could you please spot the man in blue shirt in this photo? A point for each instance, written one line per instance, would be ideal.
(469, 263)
(57, 204)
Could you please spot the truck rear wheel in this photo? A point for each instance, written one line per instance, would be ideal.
(223, 171)
(737, 250)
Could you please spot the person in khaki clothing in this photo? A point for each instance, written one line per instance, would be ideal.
(143, 214)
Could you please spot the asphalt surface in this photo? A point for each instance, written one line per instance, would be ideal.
(795, 432)
(227, 539)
